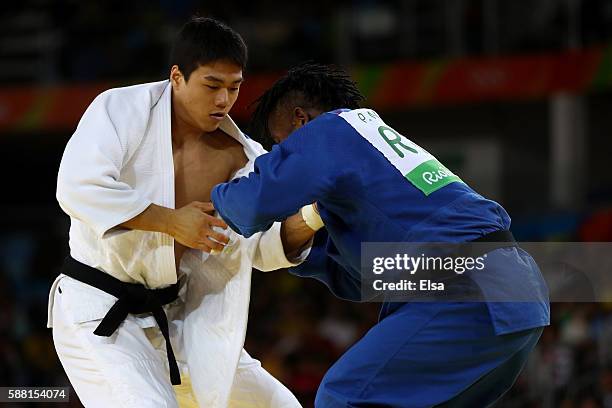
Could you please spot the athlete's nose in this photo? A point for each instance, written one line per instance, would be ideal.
(222, 98)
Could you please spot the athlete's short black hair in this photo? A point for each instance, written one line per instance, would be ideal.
(203, 40)
(324, 87)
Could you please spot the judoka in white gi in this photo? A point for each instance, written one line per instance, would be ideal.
(133, 180)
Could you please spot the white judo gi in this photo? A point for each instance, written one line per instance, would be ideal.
(116, 164)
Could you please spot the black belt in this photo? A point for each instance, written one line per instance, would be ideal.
(132, 298)
(474, 249)
(500, 236)
(489, 242)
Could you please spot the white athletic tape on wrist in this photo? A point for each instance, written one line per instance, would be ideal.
(311, 217)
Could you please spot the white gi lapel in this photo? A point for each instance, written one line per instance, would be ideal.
(217, 300)
(217, 304)
(163, 112)
(252, 149)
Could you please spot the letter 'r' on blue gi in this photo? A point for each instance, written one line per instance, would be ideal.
(420, 354)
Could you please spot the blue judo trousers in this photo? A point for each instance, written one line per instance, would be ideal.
(419, 354)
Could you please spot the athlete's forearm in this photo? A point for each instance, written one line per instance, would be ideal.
(295, 233)
(154, 218)
(191, 225)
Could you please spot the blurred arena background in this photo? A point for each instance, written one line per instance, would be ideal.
(515, 96)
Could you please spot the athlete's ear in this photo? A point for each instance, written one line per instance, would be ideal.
(300, 117)
(175, 75)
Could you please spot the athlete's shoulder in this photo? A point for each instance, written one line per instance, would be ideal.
(139, 95)
(335, 119)
(326, 130)
(349, 116)
(126, 110)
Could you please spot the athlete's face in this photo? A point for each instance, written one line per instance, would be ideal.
(204, 100)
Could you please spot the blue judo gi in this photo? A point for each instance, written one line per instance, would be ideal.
(420, 354)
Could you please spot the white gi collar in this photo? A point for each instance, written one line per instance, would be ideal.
(228, 126)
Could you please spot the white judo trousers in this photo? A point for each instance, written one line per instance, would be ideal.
(118, 162)
(130, 369)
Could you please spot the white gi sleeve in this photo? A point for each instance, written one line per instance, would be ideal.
(88, 186)
(270, 254)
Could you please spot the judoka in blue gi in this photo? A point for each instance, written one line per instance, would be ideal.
(419, 354)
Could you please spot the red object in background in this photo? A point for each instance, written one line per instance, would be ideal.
(597, 228)
(56, 108)
(525, 77)
(466, 80)
(253, 87)
(397, 86)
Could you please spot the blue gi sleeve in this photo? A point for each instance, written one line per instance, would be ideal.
(295, 173)
(320, 266)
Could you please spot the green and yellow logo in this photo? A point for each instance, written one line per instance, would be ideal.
(431, 176)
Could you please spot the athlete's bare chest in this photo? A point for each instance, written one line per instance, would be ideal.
(198, 168)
